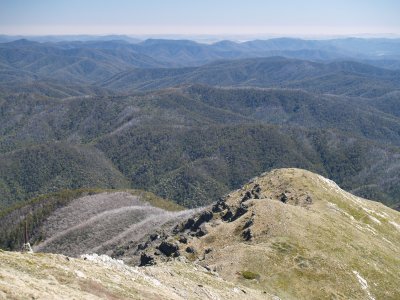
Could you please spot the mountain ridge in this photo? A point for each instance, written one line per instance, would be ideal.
(284, 234)
(289, 230)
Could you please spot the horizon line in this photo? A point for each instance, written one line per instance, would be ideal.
(211, 35)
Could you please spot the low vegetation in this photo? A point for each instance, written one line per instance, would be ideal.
(33, 213)
(250, 275)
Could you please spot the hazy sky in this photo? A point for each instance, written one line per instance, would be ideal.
(279, 17)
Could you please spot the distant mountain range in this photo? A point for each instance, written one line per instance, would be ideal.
(343, 78)
(92, 60)
(191, 121)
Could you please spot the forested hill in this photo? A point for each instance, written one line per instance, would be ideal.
(191, 121)
(194, 143)
(340, 78)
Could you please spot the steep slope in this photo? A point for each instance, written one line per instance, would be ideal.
(192, 144)
(99, 223)
(52, 167)
(294, 234)
(74, 222)
(196, 165)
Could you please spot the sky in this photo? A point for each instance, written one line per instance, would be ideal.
(200, 17)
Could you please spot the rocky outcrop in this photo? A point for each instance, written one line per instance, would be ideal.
(146, 260)
(168, 249)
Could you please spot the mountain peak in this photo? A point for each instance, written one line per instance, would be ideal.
(293, 231)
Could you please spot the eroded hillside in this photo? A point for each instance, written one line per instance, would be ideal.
(100, 223)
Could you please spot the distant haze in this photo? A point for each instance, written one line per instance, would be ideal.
(206, 17)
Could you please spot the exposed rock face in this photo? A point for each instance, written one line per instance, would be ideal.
(204, 217)
(219, 206)
(254, 193)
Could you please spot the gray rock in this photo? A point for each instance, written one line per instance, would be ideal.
(249, 223)
(227, 216)
(146, 260)
(205, 216)
(183, 239)
(247, 234)
(190, 250)
(142, 246)
(283, 198)
(247, 196)
(240, 212)
(154, 236)
(219, 206)
(167, 248)
(189, 223)
(202, 231)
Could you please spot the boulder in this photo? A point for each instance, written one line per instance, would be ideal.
(189, 223)
(283, 198)
(240, 212)
(204, 217)
(146, 260)
(154, 236)
(190, 249)
(219, 206)
(227, 216)
(247, 234)
(248, 223)
(183, 239)
(202, 231)
(142, 246)
(248, 195)
(167, 248)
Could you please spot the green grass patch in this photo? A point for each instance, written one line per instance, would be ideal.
(250, 275)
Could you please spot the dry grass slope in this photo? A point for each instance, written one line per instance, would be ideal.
(322, 243)
(49, 276)
(302, 237)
